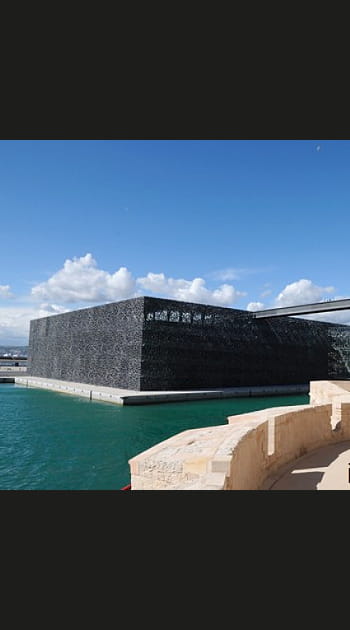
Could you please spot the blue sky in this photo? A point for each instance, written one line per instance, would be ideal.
(239, 223)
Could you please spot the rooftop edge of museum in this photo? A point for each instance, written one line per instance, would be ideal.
(190, 305)
(302, 309)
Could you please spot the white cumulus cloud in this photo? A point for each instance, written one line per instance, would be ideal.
(255, 306)
(301, 292)
(80, 280)
(189, 290)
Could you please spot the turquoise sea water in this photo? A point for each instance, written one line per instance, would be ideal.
(52, 441)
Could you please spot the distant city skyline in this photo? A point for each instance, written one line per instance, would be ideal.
(241, 224)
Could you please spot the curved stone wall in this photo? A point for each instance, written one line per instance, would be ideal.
(247, 451)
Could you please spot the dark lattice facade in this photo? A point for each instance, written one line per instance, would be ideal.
(157, 344)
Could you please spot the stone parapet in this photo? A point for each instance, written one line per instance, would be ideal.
(325, 391)
(248, 451)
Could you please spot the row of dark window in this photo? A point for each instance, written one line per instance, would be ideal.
(180, 316)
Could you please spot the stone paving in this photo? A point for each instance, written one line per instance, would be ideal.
(326, 468)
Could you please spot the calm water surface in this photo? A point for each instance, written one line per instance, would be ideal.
(52, 441)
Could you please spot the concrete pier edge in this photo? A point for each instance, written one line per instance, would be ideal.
(131, 397)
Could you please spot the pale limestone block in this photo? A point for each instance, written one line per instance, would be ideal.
(197, 465)
(220, 465)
